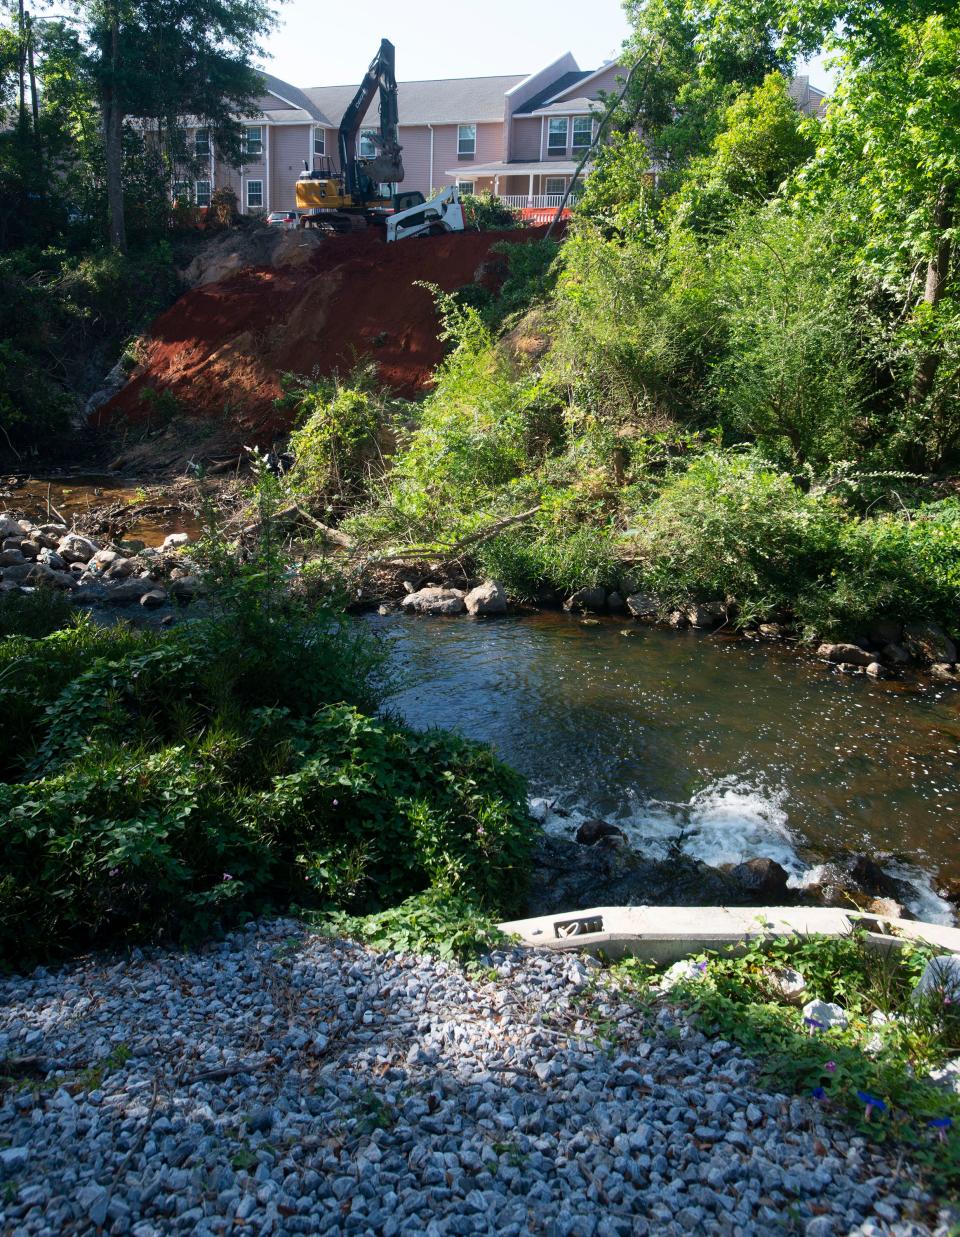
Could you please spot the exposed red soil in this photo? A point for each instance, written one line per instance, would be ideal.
(221, 348)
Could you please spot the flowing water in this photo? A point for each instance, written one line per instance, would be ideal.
(738, 749)
(146, 516)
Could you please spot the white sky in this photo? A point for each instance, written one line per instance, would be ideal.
(331, 45)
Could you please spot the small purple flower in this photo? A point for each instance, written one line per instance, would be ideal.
(819, 1093)
(814, 1024)
(227, 876)
(870, 1103)
(830, 1067)
(941, 1125)
(336, 803)
(702, 967)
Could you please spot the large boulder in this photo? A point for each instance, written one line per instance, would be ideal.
(12, 558)
(704, 614)
(940, 980)
(76, 549)
(41, 575)
(185, 588)
(434, 600)
(593, 831)
(590, 599)
(929, 643)
(128, 591)
(762, 878)
(487, 598)
(173, 541)
(642, 605)
(845, 654)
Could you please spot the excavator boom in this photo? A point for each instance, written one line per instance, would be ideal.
(362, 176)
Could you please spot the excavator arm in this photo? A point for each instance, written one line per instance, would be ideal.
(362, 176)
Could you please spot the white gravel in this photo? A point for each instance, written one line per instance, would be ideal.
(366, 1093)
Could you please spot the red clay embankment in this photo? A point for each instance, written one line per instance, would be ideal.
(220, 349)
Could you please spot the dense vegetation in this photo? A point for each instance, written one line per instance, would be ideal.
(736, 380)
(160, 784)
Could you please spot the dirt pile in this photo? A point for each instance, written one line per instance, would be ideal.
(221, 349)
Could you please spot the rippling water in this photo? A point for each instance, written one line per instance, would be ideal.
(738, 749)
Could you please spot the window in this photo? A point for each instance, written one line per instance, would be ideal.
(557, 136)
(555, 186)
(466, 141)
(465, 186)
(254, 141)
(368, 147)
(201, 143)
(319, 142)
(582, 132)
(203, 193)
(181, 191)
(254, 194)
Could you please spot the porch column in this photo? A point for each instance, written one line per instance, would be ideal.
(530, 191)
(496, 186)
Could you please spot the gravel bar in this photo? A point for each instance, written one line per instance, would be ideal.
(281, 1082)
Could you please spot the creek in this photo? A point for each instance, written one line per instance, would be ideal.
(736, 749)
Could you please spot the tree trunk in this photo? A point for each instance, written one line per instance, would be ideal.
(938, 272)
(34, 97)
(112, 112)
(22, 66)
(113, 144)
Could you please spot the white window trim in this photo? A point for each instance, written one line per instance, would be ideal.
(185, 188)
(467, 154)
(246, 142)
(565, 121)
(466, 186)
(319, 131)
(573, 132)
(198, 153)
(360, 136)
(246, 197)
(196, 192)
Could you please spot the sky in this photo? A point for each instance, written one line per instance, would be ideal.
(321, 45)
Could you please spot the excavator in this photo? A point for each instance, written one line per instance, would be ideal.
(351, 198)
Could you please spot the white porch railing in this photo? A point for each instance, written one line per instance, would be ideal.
(539, 200)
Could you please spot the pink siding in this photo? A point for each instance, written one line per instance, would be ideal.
(289, 146)
(533, 85)
(415, 140)
(270, 103)
(489, 148)
(606, 82)
(525, 140)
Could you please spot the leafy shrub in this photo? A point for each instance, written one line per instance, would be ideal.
(34, 614)
(427, 923)
(340, 424)
(184, 780)
(903, 566)
(733, 525)
(80, 310)
(487, 213)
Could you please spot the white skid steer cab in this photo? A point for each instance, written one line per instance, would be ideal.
(443, 213)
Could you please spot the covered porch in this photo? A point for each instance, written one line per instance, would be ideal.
(526, 186)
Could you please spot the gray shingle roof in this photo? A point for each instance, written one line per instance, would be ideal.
(563, 82)
(441, 101)
(292, 94)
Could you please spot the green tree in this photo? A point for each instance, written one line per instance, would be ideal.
(162, 60)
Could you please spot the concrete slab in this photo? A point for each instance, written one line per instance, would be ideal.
(668, 933)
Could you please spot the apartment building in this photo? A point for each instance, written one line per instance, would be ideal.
(520, 136)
